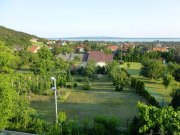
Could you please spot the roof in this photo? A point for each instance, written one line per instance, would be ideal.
(160, 49)
(34, 48)
(113, 47)
(99, 56)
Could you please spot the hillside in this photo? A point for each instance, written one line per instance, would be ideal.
(11, 37)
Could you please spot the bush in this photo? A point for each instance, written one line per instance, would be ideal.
(121, 62)
(110, 123)
(75, 85)
(79, 80)
(69, 86)
(119, 87)
(48, 92)
(99, 129)
(86, 86)
(140, 88)
(128, 65)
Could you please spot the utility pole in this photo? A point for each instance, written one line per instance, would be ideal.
(54, 88)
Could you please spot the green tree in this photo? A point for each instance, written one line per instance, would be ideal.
(167, 80)
(44, 62)
(159, 120)
(153, 69)
(176, 99)
(90, 69)
(8, 101)
(8, 62)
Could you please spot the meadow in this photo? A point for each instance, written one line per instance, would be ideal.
(156, 88)
(82, 105)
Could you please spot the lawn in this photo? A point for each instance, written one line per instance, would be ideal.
(38, 44)
(157, 89)
(101, 99)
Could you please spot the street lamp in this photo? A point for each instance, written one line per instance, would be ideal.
(54, 88)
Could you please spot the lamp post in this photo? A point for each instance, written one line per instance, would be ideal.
(54, 88)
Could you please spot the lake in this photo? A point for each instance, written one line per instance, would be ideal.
(122, 39)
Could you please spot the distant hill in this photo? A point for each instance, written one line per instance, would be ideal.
(11, 37)
(97, 37)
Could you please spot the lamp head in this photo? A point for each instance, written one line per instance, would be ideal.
(53, 79)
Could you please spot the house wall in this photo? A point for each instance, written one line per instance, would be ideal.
(101, 64)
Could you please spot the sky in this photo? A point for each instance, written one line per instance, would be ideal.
(82, 18)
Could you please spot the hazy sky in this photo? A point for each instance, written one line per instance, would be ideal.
(72, 18)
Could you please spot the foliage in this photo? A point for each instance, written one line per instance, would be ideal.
(128, 65)
(109, 124)
(11, 37)
(8, 62)
(111, 66)
(152, 69)
(119, 76)
(167, 80)
(75, 84)
(62, 117)
(90, 69)
(176, 99)
(160, 120)
(101, 70)
(140, 88)
(8, 101)
(86, 86)
(44, 63)
(177, 74)
(119, 87)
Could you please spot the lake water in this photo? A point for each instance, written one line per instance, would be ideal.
(122, 39)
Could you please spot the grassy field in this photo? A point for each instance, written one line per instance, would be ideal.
(157, 89)
(101, 99)
(38, 43)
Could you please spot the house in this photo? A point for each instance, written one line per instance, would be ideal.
(80, 49)
(160, 49)
(34, 40)
(113, 48)
(51, 42)
(99, 57)
(34, 49)
(124, 47)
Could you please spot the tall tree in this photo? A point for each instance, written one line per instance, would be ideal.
(8, 101)
(8, 61)
(44, 62)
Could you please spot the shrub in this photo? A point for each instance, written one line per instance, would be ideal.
(119, 87)
(128, 65)
(86, 86)
(109, 123)
(121, 62)
(99, 129)
(75, 85)
(79, 80)
(69, 86)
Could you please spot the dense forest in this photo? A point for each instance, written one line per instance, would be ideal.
(15, 38)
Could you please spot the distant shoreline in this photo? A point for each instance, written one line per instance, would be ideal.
(114, 39)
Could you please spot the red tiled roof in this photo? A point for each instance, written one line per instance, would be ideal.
(113, 47)
(160, 49)
(33, 48)
(99, 56)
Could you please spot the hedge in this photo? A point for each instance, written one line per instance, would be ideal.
(139, 86)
